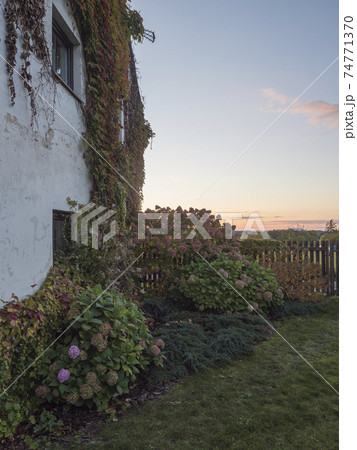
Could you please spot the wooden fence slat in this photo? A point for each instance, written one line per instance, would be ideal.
(323, 253)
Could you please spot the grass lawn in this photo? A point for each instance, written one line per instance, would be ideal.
(267, 401)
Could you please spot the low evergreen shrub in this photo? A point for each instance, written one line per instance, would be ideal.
(292, 308)
(196, 341)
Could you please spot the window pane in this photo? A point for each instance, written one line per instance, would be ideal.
(60, 53)
(60, 229)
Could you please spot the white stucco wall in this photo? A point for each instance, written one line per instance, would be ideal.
(40, 166)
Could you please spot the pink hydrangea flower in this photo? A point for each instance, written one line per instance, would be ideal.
(171, 251)
(73, 352)
(196, 246)
(63, 375)
(239, 284)
(223, 273)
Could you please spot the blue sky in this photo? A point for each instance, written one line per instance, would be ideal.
(218, 74)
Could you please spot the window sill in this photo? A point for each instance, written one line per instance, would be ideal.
(60, 81)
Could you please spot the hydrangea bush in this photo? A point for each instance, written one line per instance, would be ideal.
(165, 254)
(206, 288)
(101, 353)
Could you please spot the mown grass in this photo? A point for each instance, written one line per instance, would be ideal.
(270, 400)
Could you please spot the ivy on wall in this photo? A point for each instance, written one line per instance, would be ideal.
(107, 28)
(25, 19)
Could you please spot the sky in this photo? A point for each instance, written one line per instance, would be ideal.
(217, 77)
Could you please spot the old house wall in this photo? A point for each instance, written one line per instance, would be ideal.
(40, 165)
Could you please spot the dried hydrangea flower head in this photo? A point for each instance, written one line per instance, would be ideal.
(112, 378)
(160, 343)
(91, 378)
(83, 355)
(105, 329)
(86, 391)
(268, 296)
(72, 398)
(155, 350)
(239, 284)
(101, 369)
(42, 391)
(223, 273)
(99, 341)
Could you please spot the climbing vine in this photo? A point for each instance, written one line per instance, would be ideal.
(106, 28)
(25, 19)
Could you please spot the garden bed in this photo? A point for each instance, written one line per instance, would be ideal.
(269, 400)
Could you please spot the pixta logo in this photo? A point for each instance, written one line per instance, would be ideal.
(87, 221)
(253, 222)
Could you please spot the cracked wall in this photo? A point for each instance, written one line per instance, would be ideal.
(40, 166)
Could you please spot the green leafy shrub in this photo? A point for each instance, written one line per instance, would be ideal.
(27, 327)
(200, 284)
(165, 255)
(101, 354)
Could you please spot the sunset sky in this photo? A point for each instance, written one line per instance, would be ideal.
(219, 74)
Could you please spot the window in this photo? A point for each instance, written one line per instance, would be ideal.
(60, 229)
(62, 55)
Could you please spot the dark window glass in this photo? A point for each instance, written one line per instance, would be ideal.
(60, 230)
(62, 55)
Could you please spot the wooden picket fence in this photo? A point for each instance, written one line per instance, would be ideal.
(323, 253)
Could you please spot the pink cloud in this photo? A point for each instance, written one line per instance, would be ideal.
(318, 112)
(274, 97)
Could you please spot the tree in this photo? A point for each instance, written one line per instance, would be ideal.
(331, 226)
